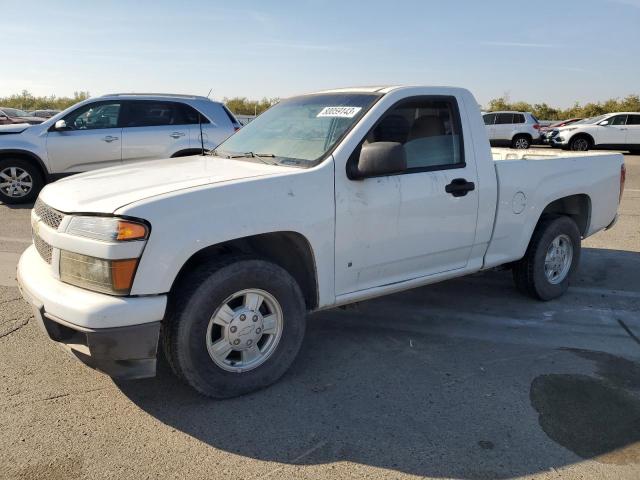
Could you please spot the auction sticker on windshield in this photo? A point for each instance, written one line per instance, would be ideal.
(340, 112)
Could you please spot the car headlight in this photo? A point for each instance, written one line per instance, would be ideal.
(570, 129)
(114, 277)
(107, 229)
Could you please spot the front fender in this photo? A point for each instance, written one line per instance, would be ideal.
(187, 221)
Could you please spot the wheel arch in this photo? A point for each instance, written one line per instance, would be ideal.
(577, 207)
(288, 249)
(187, 152)
(586, 135)
(26, 155)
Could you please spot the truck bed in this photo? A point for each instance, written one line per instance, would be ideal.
(530, 180)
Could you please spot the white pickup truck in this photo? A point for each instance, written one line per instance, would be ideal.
(324, 200)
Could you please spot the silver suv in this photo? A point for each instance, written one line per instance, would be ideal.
(107, 131)
(512, 129)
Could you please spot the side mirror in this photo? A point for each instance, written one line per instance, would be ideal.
(604, 123)
(60, 125)
(380, 158)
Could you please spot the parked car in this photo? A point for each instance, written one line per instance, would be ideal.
(323, 200)
(107, 131)
(618, 131)
(45, 113)
(12, 116)
(547, 132)
(515, 129)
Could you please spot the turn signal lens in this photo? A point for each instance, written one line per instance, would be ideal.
(131, 231)
(122, 273)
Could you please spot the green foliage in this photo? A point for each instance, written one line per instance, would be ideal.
(243, 106)
(543, 111)
(26, 101)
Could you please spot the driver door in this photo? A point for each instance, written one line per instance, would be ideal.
(398, 227)
(91, 140)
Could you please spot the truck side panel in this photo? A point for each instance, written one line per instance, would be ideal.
(527, 186)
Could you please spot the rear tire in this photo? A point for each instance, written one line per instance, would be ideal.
(545, 271)
(521, 142)
(209, 315)
(20, 181)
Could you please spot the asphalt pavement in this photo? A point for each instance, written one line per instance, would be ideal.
(465, 379)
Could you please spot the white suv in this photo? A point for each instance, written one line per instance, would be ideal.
(513, 129)
(618, 131)
(107, 131)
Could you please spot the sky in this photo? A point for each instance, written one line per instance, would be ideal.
(557, 52)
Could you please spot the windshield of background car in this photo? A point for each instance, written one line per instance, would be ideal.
(593, 119)
(14, 112)
(299, 131)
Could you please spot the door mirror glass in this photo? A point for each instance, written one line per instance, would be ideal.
(604, 123)
(381, 158)
(60, 125)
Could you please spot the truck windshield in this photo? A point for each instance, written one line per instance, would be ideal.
(298, 131)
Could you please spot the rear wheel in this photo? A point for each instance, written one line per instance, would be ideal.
(521, 142)
(551, 259)
(20, 181)
(234, 326)
(580, 144)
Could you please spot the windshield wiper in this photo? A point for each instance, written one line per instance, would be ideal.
(260, 156)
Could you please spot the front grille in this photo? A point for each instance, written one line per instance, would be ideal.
(48, 215)
(43, 248)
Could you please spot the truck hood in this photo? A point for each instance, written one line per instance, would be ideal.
(14, 128)
(106, 190)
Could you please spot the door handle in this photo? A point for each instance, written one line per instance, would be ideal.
(109, 139)
(176, 134)
(459, 187)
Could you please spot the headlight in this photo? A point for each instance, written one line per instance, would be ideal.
(114, 277)
(107, 229)
(570, 129)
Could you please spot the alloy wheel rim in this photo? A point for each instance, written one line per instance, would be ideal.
(15, 182)
(245, 330)
(580, 145)
(522, 143)
(557, 262)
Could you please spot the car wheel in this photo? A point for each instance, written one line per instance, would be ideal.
(20, 181)
(579, 144)
(521, 142)
(551, 259)
(234, 326)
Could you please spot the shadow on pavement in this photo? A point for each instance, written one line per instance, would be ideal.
(434, 382)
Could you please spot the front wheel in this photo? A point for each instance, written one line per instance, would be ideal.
(579, 144)
(551, 259)
(20, 181)
(235, 325)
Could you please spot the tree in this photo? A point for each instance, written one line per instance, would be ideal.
(243, 106)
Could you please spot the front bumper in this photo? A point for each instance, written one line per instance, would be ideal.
(116, 335)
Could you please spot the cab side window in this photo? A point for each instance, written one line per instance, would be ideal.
(429, 128)
(94, 116)
(618, 120)
(504, 119)
(633, 120)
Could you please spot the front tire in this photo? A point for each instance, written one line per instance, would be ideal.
(234, 325)
(580, 144)
(521, 142)
(551, 259)
(20, 181)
